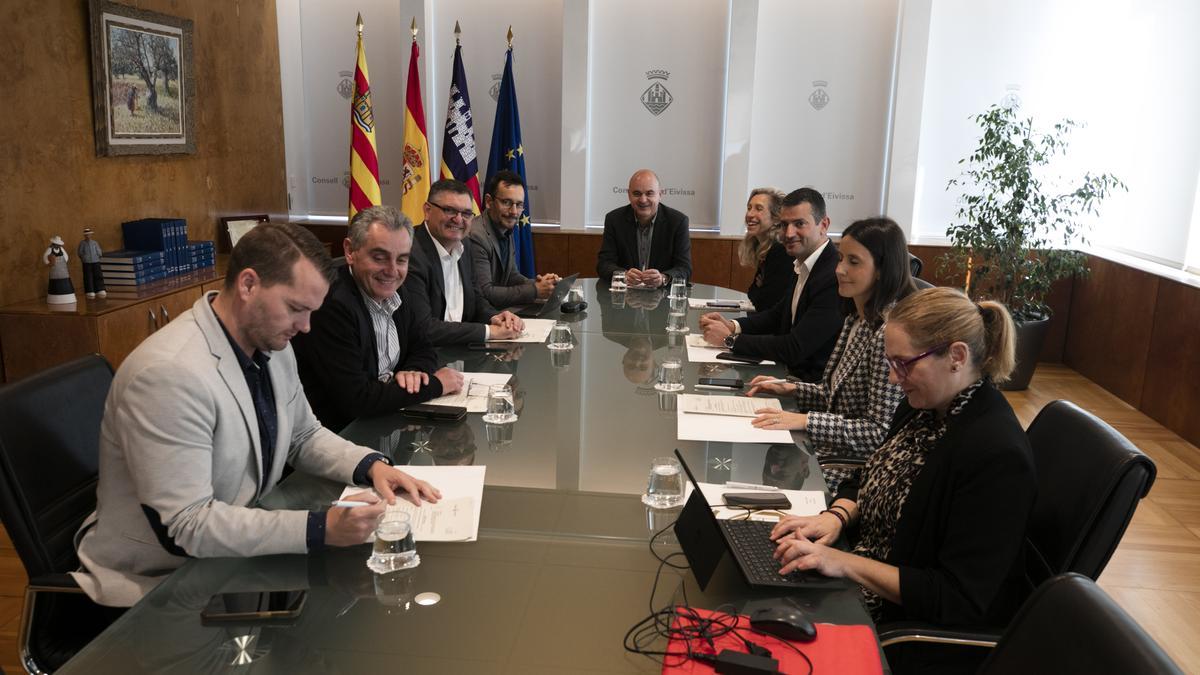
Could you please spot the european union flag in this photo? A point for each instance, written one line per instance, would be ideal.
(508, 153)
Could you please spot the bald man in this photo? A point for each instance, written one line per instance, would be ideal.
(647, 240)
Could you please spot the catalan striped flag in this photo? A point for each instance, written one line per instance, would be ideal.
(458, 143)
(508, 152)
(364, 162)
(416, 144)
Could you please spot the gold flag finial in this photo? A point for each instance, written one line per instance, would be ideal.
(414, 29)
(457, 34)
(510, 36)
(359, 24)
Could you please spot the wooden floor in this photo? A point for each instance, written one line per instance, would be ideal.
(1154, 575)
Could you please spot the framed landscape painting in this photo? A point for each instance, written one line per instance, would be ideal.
(143, 90)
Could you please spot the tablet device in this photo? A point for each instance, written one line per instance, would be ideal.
(430, 411)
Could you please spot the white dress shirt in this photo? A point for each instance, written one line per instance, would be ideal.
(452, 281)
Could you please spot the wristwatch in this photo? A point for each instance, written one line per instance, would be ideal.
(729, 340)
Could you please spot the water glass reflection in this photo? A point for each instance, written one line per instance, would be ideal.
(395, 548)
(575, 294)
(679, 288)
(560, 336)
(500, 406)
(679, 303)
(664, 489)
(560, 358)
(499, 436)
(677, 322)
(618, 282)
(670, 376)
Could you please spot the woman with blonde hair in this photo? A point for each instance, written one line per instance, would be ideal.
(940, 508)
(761, 250)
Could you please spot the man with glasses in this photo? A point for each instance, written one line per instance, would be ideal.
(366, 353)
(440, 278)
(646, 240)
(493, 251)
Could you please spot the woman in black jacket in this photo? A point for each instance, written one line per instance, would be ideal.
(941, 506)
(760, 249)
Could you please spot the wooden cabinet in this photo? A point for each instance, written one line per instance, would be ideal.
(35, 336)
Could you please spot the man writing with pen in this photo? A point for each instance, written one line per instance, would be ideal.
(647, 240)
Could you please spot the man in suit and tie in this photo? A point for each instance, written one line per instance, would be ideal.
(366, 354)
(202, 417)
(801, 329)
(440, 278)
(493, 252)
(647, 240)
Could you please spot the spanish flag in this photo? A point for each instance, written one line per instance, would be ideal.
(416, 182)
(458, 143)
(364, 163)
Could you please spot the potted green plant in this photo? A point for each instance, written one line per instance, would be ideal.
(1015, 228)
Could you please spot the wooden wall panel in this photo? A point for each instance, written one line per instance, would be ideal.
(710, 261)
(51, 181)
(1171, 392)
(1111, 317)
(582, 250)
(739, 277)
(552, 254)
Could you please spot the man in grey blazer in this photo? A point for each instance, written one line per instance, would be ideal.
(441, 282)
(200, 420)
(493, 252)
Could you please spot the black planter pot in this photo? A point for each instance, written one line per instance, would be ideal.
(1031, 335)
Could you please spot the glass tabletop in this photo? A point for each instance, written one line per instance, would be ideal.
(562, 566)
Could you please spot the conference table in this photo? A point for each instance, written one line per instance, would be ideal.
(563, 565)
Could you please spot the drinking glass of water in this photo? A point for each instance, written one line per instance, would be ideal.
(670, 376)
(618, 281)
(560, 336)
(664, 490)
(679, 304)
(500, 406)
(677, 321)
(678, 288)
(395, 549)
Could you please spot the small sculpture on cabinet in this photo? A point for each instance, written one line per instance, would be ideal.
(93, 277)
(60, 292)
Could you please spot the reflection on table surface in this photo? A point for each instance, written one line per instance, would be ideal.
(561, 568)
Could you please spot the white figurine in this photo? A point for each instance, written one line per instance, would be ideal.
(61, 292)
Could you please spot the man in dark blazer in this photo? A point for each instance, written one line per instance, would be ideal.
(441, 282)
(365, 353)
(493, 252)
(801, 329)
(646, 240)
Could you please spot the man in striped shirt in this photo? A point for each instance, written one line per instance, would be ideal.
(366, 354)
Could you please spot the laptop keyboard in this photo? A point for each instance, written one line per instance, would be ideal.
(752, 541)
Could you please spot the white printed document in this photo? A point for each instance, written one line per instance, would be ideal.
(473, 395)
(536, 330)
(804, 502)
(456, 515)
(724, 428)
(717, 305)
(699, 351)
(737, 406)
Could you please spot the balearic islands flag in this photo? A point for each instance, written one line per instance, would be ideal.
(458, 143)
(364, 163)
(507, 152)
(416, 145)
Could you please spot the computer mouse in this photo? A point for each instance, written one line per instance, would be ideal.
(788, 623)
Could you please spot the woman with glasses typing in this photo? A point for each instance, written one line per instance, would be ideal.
(849, 409)
(941, 506)
(761, 250)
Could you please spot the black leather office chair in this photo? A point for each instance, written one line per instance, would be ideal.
(49, 453)
(1070, 625)
(1090, 480)
(915, 265)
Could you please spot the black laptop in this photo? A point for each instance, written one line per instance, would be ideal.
(705, 538)
(536, 309)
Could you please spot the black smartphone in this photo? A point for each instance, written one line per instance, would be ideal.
(430, 411)
(730, 356)
(757, 500)
(724, 304)
(264, 606)
(721, 382)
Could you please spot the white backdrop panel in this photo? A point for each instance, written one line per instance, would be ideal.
(822, 86)
(537, 68)
(686, 38)
(1127, 69)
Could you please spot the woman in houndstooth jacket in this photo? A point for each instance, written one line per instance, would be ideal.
(848, 412)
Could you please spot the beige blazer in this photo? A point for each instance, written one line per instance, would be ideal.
(180, 436)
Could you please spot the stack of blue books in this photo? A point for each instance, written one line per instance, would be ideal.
(168, 235)
(132, 268)
(202, 254)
